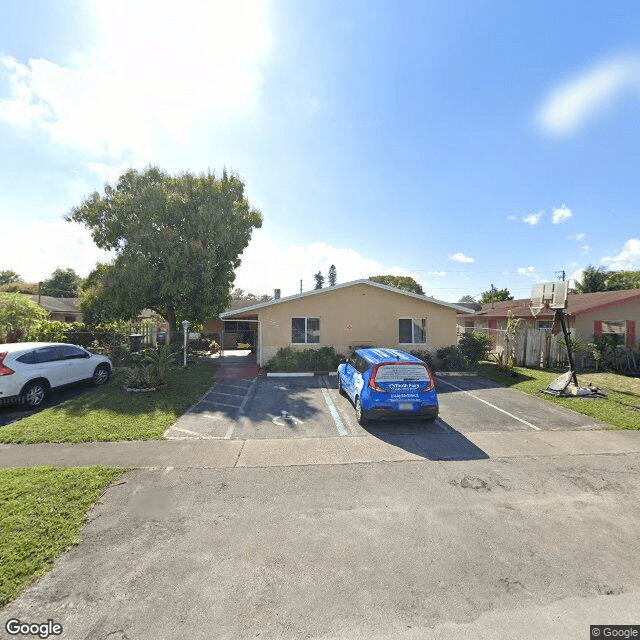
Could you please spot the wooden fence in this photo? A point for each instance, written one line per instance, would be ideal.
(531, 347)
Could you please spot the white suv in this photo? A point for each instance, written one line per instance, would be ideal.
(29, 370)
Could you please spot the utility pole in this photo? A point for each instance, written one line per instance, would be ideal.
(493, 299)
(300, 285)
(559, 273)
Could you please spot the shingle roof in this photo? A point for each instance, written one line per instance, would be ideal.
(57, 305)
(231, 312)
(577, 304)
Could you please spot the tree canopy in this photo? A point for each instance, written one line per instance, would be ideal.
(333, 275)
(593, 280)
(319, 278)
(177, 241)
(63, 283)
(8, 275)
(399, 282)
(17, 313)
(495, 295)
(470, 302)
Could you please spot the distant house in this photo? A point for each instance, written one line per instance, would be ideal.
(344, 316)
(589, 315)
(62, 309)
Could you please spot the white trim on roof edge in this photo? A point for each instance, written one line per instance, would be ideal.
(268, 303)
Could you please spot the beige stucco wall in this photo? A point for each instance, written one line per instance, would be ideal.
(629, 311)
(371, 313)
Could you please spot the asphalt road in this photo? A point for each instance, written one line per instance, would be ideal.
(477, 549)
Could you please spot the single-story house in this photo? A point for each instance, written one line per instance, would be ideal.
(62, 309)
(344, 316)
(588, 315)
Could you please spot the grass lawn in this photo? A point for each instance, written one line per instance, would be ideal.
(109, 413)
(620, 408)
(42, 510)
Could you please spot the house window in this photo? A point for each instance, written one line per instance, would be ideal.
(616, 331)
(547, 325)
(412, 330)
(305, 330)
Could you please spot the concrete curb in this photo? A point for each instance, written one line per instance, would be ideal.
(300, 374)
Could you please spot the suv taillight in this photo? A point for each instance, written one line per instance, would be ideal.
(4, 370)
(372, 380)
(432, 382)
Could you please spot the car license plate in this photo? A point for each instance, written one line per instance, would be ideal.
(406, 406)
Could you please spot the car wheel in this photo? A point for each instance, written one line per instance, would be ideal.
(361, 416)
(101, 374)
(341, 390)
(35, 393)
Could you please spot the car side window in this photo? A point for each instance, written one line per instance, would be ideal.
(69, 352)
(361, 365)
(46, 354)
(353, 358)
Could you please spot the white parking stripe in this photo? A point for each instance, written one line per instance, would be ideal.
(493, 406)
(334, 412)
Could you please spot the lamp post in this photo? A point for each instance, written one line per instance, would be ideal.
(185, 326)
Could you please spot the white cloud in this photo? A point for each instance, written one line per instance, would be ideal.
(578, 236)
(627, 259)
(437, 274)
(560, 214)
(158, 69)
(268, 265)
(585, 248)
(461, 257)
(572, 104)
(512, 218)
(533, 219)
(529, 272)
(52, 244)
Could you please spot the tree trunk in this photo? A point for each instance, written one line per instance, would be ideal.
(170, 317)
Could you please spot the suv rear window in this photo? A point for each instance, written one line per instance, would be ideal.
(27, 358)
(404, 372)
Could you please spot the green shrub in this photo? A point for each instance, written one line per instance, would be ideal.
(290, 360)
(475, 346)
(452, 359)
(425, 356)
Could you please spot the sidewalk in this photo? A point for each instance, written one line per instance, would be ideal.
(283, 452)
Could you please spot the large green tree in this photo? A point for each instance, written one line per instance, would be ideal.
(495, 295)
(470, 302)
(593, 280)
(63, 283)
(177, 241)
(399, 282)
(617, 280)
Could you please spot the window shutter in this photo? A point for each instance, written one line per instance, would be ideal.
(597, 328)
(631, 333)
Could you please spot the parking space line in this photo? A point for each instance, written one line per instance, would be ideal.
(493, 406)
(334, 412)
(219, 404)
(233, 395)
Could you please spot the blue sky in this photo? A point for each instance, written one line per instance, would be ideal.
(466, 144)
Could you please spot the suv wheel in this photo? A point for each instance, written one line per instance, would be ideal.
(35, 393)
(361, 416)
(101, 374)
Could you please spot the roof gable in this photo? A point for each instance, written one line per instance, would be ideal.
(269, 303)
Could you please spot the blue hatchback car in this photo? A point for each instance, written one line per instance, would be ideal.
(384, 383)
